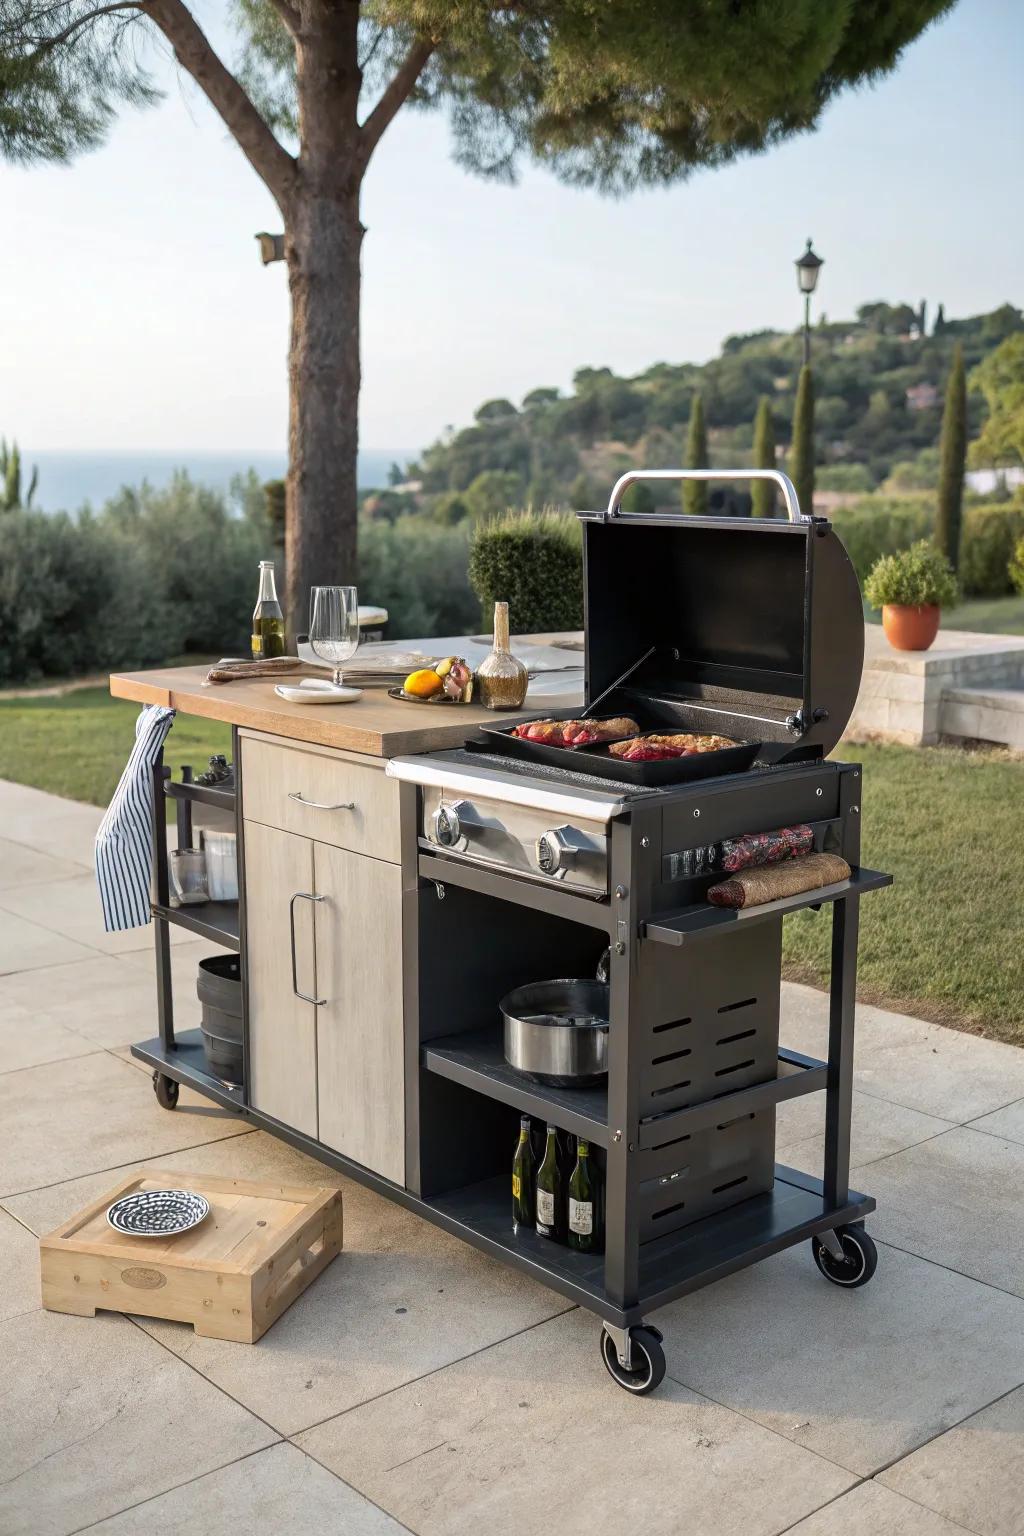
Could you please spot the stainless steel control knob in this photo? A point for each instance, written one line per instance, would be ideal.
(446, 825)
(555, 851)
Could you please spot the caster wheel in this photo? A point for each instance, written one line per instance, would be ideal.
(648, 1361)
(166, 1090)
(859, 1261)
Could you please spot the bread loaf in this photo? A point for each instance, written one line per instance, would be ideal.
(754, 887)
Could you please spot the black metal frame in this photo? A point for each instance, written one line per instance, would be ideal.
(626, 1281)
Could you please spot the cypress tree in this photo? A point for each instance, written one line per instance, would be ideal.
(762, 492)
(695, 492)
(801, 453)
(952, 458)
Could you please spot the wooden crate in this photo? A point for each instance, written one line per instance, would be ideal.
(231, 1277)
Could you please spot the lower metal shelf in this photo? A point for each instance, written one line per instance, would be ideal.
(670, 1267)
(186, 1063)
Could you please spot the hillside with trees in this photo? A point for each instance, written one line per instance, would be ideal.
(879, 383)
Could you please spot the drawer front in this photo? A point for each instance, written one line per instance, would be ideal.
(325, 796)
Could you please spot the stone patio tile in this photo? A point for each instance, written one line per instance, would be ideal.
(49, 823)
(90, 1113)
(973, 1474)
(939, 1071)
(956, 1200)
(871, 1510)
(1008, 1122)
(532, 1436)
(19, 1265)
(279, 1489)
(105, 1000)
(402, 1299)
(72, 908)
(30, 1041)
(97, 1416)
(879, 1129)
(26, 946)
(26, 866)
(254, 1155)
(862, 1376)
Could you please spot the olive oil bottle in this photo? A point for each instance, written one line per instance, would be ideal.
(523, 1211)
(267, 617)
(584, 1205)
(551, 1192)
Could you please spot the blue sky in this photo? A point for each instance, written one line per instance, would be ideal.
(134, 312)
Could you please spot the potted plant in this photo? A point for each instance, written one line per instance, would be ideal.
(911, 588)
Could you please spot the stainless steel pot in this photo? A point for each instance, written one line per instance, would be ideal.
(556, 1032)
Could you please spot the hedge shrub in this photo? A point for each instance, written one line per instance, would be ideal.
(416, 569)
(533, 561)
(879, 526)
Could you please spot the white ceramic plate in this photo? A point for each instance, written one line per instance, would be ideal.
(318, 693)
(158, 1212)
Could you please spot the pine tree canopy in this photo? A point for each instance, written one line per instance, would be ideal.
(611, 93)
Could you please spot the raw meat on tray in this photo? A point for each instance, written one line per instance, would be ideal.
(576, 733)
(651, 749)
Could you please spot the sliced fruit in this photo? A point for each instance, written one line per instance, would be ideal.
(423, 683)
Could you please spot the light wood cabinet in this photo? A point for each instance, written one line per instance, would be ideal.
(282, 1028)
(331, 797)
(334, 1068)
(360, 1045)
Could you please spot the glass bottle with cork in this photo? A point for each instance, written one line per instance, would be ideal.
(267, 617)
(501, 678)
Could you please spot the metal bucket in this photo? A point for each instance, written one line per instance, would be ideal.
(556, 1032)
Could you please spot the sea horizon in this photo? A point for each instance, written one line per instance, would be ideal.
(69, 478)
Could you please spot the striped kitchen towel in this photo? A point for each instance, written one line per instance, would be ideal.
(124, 842)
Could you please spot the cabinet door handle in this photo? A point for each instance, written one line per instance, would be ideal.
(301, 896)
(320, 805)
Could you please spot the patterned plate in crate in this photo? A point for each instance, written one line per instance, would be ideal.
(158, 1213)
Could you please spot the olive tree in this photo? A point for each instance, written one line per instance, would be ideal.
(607, 93)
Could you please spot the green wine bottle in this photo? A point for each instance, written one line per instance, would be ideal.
(550, 1189)
(267, 617)
(584, 1204)
(522, 1179)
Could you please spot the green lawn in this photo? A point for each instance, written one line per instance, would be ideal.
(76, 744)
(946, 942)
(986, 615)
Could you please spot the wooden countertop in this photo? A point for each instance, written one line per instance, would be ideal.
(374, 724)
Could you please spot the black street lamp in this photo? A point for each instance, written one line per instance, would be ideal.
(807, 268)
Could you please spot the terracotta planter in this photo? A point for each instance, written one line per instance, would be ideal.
(910, 629)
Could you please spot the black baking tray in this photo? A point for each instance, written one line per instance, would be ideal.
(597, 760)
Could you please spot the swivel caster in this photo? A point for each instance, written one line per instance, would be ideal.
(645, 1369)
(855, 1264)
(166, 1090)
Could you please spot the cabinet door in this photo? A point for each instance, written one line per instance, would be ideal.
(360, 1049)
(282, 1028)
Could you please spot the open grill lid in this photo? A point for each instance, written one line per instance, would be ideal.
(749, 626)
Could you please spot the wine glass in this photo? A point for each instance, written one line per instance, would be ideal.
(334, 625)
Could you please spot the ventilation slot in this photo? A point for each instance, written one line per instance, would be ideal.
(656, 1061)
(670, 1210)
(672, 1088)
(676, 1142)
(739, 1066)
(659, 1029)
(720, 1189)
(727, 1125)
(744, 1034)
(732, 1007)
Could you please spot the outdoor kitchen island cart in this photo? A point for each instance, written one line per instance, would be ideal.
(394, 889)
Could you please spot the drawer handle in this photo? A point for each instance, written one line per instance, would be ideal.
(320, 805)
(301, 896)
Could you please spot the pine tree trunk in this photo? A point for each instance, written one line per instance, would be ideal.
(324, 376)
(323, 246)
